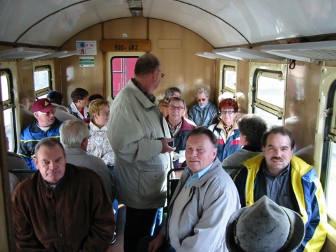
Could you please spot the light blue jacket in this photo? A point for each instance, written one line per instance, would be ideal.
(202, 116)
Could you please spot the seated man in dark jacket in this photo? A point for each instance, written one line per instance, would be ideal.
(61, 207)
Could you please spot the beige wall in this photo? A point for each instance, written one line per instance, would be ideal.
(174, 45)
(301, 104)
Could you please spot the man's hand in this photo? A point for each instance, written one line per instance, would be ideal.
(156, 243)
(165, 145)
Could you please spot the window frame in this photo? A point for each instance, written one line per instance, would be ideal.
(10, 104)
(226, 88)
(41, 93)
(329, 136)
(269, 108)
(112, 72)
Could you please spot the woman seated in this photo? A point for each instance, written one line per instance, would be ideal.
(226, 130)
(99, 144)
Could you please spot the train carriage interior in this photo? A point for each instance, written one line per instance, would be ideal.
(279, 57)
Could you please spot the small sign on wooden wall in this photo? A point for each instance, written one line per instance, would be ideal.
(125, 45)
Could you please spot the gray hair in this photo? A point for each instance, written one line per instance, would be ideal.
(73, 132)
(202, 90)
(204, 131)
(48, 142)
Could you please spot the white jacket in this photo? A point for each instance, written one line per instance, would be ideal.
(99, 145)
(135, 129)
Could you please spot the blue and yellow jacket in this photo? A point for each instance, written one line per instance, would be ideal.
(31, 136)
(307, 190)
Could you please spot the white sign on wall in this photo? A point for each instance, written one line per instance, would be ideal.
(87, 47)
(86, 61)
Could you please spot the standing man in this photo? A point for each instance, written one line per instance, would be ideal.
(203, 201)
(139, 136)
(179, 127)
(44, 125)
(288, 181)
(61, 207)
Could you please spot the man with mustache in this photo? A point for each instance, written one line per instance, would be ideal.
(287, 180)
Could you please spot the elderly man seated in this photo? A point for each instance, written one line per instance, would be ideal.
(74, 137)
(44, 125)
(202, 203)
(61, 207)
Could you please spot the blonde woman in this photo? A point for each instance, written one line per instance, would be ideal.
(99, 144)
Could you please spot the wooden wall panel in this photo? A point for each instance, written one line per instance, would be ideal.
(73, 76)
(174, 45)
(301, 110)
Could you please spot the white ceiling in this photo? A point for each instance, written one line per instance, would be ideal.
(223, 23)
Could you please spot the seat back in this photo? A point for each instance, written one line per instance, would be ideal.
(173, 178)
(21, 174)
(232, 170)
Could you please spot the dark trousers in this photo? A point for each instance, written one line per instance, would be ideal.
(138, 224)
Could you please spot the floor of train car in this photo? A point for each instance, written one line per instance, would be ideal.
(118, 246)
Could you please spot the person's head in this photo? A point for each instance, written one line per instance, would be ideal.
(148, 72)
(228, 108)
(74, 133)
(264, 226)
(278, 144)
(202, 96)
(241, 101)
(44, 112)
(201, 149)
(27, 101)
(172, 92)
(50, 159)
(55, 97)
(100, 112)
(80, 97)
(94, 97)
(176, 109)
(251, 128)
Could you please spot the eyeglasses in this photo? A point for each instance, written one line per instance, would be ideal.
(162, 74)
(203, 99)
(49, 113)
(229, 112)
(105, 113)
(174, 107)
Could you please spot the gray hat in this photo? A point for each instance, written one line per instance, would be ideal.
(264, 226)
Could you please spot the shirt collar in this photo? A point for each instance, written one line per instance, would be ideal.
(196, 176)
(150, 97)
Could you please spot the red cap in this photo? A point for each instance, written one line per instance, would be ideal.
(43, 105)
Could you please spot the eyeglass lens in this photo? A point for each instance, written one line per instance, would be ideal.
(173, 108)
(229, 112)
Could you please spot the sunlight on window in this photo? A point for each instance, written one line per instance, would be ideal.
(271, 90)
(331, 183)
(230, 77)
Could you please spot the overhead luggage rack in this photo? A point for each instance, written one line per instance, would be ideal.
(24, 53)
(307, 52)
(247, 54)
